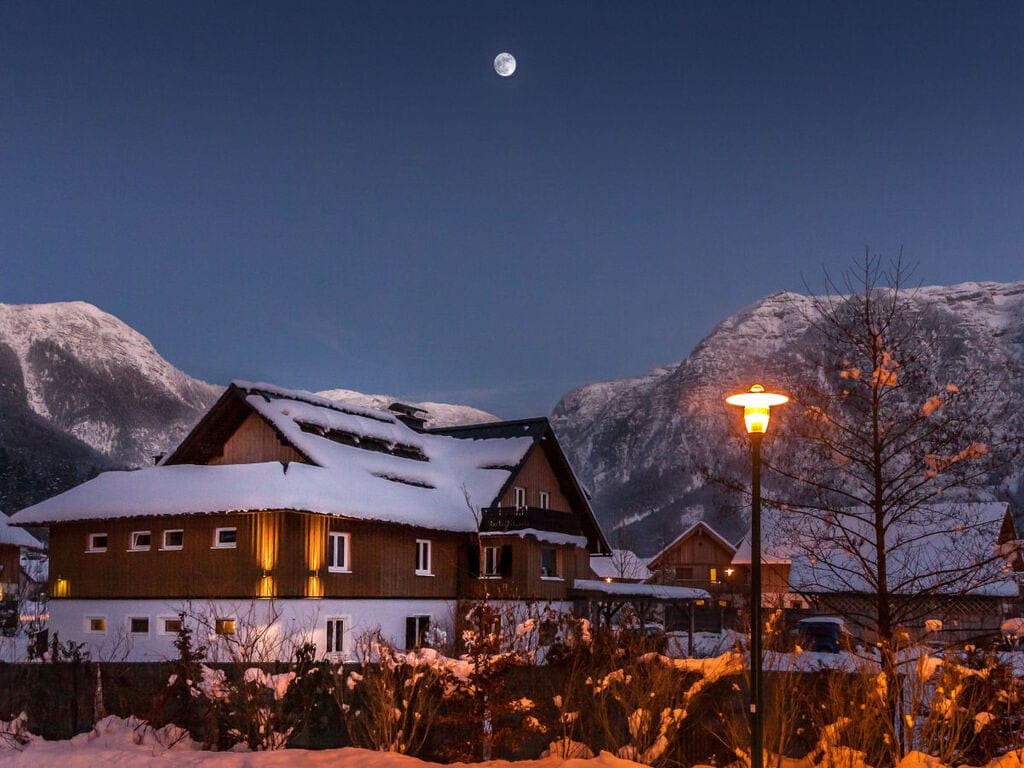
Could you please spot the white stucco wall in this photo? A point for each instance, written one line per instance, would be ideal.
(265, 629)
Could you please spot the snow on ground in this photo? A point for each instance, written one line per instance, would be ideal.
(120, 743)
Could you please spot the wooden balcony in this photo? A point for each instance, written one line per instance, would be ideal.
(516, 519)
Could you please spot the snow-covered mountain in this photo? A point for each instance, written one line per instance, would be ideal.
(640, 443)
(81, 391)
(437, 414)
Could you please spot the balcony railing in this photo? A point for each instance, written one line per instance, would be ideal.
(515, 519)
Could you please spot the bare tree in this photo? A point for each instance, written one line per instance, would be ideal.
(893, 424)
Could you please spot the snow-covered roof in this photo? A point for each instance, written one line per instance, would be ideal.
(423, 482)
(946, 548)
(17, 537)
(621, 564)
(655, 591)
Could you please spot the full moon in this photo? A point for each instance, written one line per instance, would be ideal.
(505, 64)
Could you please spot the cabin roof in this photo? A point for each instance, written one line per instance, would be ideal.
(17, 537)
(699, 525)
(363, 463)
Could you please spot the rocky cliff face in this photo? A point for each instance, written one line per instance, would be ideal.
(81, 392)
(641, 444)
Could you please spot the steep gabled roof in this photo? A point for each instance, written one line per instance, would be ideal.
(544, 438)
(363, 463)
(699, 525)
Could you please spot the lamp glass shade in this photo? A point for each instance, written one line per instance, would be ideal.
(756, 405)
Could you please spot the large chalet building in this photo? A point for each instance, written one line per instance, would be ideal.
(285, 517)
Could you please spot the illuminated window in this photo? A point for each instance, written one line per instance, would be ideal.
(225, 538)
(336, 635)
(544, 500)
(423, 557)
(96, 624)
(224, 626)
(174, 539)
(519, 496)
(713, 572)
(97, 542)
(140, 541)
(337, 552)
(138, 625)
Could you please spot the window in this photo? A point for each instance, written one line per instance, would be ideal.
(169, 625)
(549, 563)
(96, 624)
(337, 552)
(416, 629)
(336, 635)
(423, 557)
(138, 625)
(140, 541)
(492, 561)
(713, 574)
(225, 538)
(224, 626)
(97, 542)
(684, 573)
(519, 496)
(174, 539)
(544, 500)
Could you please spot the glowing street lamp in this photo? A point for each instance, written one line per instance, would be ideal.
(757, 405)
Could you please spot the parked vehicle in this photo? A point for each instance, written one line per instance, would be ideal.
(822, 634)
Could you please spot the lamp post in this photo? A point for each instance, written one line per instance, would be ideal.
(757, 406)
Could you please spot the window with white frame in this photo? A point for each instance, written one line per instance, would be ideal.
(138, 625)
(225, 538)
(173, 539)
(97, 542)
(338, 552)
(169, 625)
(423, 557)
(140, 541)
(96, 625)
(549, 563)
(492, 561)
(336, 635)
(519, 497)
(416, 629)
(544, 500)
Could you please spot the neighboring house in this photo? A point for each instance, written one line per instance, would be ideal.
(18, 589)
(957, 563)
(285, 517)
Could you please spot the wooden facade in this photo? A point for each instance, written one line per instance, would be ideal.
(10, 569)
(283, 554)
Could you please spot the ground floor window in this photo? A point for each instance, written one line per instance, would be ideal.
(416, 629)
(97, 624)
(138, 625)
(336, 635)
(224, 626)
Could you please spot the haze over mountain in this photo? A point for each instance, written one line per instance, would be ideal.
(640, 443)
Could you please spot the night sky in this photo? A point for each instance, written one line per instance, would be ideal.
(347, 195)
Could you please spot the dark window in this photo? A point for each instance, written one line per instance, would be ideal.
(335, 635)
(492, 561)
(226, 537)
(97, 542)
(139, 625)
(416, 628)
(174, 539)
(172, 626)
(684, 572)
(337, 552)
(141, 539)
(549, 562)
